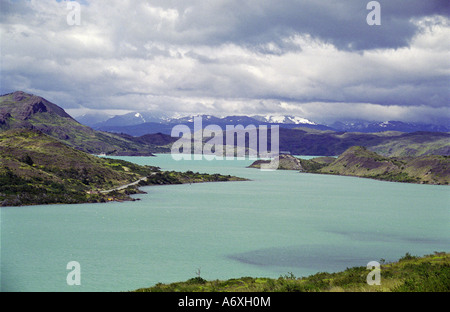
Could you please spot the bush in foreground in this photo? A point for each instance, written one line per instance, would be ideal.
(430, 273)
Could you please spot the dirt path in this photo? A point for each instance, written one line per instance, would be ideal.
(124, 186)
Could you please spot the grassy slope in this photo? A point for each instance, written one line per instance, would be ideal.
(414, 144)
(359, 161)
(38, 169)
(430, 273)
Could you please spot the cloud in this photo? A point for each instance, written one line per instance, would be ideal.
(316, 58)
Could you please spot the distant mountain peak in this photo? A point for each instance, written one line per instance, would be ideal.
(283, 119)
(388, 125)
(140, 117)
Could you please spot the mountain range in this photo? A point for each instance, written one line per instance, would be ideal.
(45, 154)
(139, 123)
(381, 126)
(297, 136)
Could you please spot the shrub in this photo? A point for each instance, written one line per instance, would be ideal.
(407, 256)
(196, 280)
(427, 278)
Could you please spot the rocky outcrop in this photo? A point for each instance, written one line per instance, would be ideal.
(360, 162)
(285, 162)
(20, 110)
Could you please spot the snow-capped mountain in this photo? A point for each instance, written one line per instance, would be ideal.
(190, 118)
(139, 117)
(379, 126)
(247, 120)
(283, 119)
(138, 123)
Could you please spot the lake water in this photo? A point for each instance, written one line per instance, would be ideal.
(278, 223)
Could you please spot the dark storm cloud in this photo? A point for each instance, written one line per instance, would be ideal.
(342, 23)
(319, 59)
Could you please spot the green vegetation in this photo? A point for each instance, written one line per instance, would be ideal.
(414, 144)
(360, 162)
(174, 177)
(430, 273)
(38, 169)
(315, 164)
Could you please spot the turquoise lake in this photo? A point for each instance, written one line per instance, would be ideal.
(277, 223)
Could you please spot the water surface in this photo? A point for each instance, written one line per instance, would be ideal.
(278, 222)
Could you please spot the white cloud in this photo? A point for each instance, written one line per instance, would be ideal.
(226, 57)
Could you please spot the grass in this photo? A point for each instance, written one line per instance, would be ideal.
(430, 273)
(359, 161)
(38, 169)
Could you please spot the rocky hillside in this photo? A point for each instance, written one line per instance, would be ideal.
(285, 162)
(20, 110)
(360, 162)
(414, 144)
(38, 169)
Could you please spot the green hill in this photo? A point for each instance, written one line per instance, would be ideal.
(38, 169)
(301, 141)
(430, 273)
(359, 161)
(414, 144)
(20, 110)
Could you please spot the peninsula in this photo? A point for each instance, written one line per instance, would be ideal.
(36, 168)
(358, 161)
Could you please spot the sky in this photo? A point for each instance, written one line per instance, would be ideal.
(321, 60)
